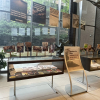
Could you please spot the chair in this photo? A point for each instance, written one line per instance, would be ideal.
(73, 62)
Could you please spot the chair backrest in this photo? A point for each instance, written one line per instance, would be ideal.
(72, 58)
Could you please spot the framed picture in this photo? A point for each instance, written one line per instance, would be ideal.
(98, 47)
(20, 47)
(51, 48)
(45, 46)
(37, 49)
(28, 46)
(9, 49)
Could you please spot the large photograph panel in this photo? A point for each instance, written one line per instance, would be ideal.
(39, 13)
(54, 17)
(18, 11)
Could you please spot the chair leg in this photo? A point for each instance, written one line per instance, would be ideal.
(86, 80)
(70, 84)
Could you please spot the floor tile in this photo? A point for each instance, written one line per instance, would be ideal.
(6, 84)
(6, 91)
(96, 93)
(3, 77)
(31, 82)
(38, 88)
(84, 96)
(10, 98)
(58, 98)
(47, 97)
(27, 93)
(63, 91)
(60, 81)
(91, 79)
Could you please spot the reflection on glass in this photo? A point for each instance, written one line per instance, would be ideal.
(95, 64)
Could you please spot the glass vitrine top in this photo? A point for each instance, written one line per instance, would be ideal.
(34, 58)
(91, 56)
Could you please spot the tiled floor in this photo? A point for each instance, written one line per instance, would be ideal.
(39, 89)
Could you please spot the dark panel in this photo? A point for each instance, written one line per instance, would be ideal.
(71, 21)
(39, 13)
(3, 72)
(72, 32)
(86, 63)
(97, 28)
(18, 11)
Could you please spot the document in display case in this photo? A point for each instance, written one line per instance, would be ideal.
(32, 67)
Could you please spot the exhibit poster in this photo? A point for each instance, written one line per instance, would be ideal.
(18, 11)
(66, 20)
(28, 31)
(22, 31)
(9, 49)
(37, 49)
(39, 13)
(20, 47)
(28, 46)
(37, 31)
(45, 30)
(72, 55)
(54, 17)
(52, 31)
(14, 32)
(45, 46)
(52, 48)
(75, 21)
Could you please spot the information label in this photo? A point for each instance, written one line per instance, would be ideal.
(21, 31)
(14, 32)
(72, 52)
(28, 31)
(45, 30)
(37, 31)
(52, 31)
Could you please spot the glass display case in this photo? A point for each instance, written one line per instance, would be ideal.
(91, 62)
(32, 67)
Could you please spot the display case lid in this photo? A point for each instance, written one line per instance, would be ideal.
(91, 56)
(34, 58)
